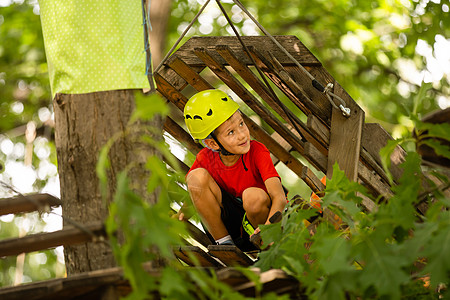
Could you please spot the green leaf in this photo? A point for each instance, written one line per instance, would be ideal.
(439, 148)
(441, 130)
(174, 285)
(333, 253)
(437, 250)
(385, 155)
(148, 106)
(418, 100)
(384, 268)
(337, 285)
(103, 164)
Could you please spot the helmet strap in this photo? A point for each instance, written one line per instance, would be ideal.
(223, 151)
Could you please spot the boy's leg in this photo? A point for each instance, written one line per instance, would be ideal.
(257, 205)
(207, 199)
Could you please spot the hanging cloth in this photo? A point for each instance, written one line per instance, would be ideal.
(93, 45)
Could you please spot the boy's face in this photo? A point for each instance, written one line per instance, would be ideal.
(234, 135)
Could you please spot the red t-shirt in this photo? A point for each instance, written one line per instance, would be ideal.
(235, 179)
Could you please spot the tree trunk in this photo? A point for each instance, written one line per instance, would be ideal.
(159, 18)
(84, 123)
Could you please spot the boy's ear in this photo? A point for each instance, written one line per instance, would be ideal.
(211, 143)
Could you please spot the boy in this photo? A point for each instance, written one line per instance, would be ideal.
(232, 183)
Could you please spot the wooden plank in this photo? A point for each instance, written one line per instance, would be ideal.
(282, 142)
(345, 137)
(291, 43)
(248, 98)
(297, 86)
(255, 83)
(276, 281)
(173, 77)
(198, 235)
(297, 89)
(87, 285)
(166, 89)
(233, 276)
(68, 236)
(181, 135)
(322, 132)
(230, 255)
(374, 138)
(194, 256)
(188, 73)
(27, 203)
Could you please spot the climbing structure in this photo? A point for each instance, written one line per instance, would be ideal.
(305, 111)
(327, 136)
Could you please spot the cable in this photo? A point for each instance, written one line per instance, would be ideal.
(181, 37)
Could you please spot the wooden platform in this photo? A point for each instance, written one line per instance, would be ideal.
(91, 285)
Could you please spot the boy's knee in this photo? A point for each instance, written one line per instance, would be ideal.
(198, 178)
(201, 185)
(255, 201)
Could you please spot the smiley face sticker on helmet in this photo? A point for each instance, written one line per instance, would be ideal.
(207, 110)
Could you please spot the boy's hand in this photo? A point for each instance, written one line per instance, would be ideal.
(257, 230)
(179, 215)
(255, 238)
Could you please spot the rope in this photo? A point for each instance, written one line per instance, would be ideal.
(315, 83)
(148, 58)
(181, 37)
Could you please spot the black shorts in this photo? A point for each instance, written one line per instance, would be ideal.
(232, 212)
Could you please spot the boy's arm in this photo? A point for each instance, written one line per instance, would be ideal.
(276, 194)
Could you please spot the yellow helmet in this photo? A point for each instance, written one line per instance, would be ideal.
(207, 110)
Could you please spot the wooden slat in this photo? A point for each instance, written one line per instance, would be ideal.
(248, 98)
(293, 88)
(194, 256)
(322, 132)
(276, 281)
(170, 92)
(230, 255)
(174, 78)
(317, 128)
(91, 285)
(198, 235)
(290, 43)
(188, 73)
(345, 137)
(27, 203)
(41, 241)
(233, 276)
(284, 75)
(181, 135)
(374, 138)
(282, 142)
(255, 83)
(87, 285)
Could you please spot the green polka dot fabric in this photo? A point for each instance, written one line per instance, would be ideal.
(93, 45)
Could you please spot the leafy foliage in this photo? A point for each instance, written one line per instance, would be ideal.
(379, 253)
